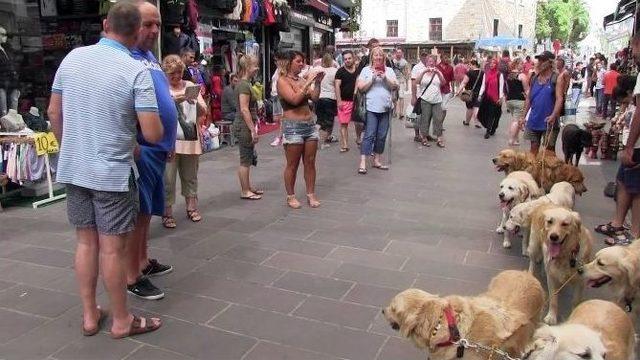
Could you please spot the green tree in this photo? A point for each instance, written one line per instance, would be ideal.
(567, 20)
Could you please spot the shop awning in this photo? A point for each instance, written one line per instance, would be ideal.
(501, 42)
(318, 4)
(338, 11)
(625, 10)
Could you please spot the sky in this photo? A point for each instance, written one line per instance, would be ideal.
(600, 8)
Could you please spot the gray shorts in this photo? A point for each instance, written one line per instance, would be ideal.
(111, 213)
(535, 136)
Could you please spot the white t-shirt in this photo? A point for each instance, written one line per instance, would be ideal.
(327, 86)
(432, 94)
(417, 70)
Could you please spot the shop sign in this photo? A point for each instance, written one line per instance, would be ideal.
(324, 20)
(46, 143)
(301, 19)
(287, 39)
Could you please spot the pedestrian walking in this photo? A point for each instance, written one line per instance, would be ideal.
(345, 84)
(377, 82)
(430, 80)
(543, 103)
(95, 114)
(609, 82)
(459, 71)
(326, 107)
(589, 72)
(517, 89)
(186, 157)
(151, 162)
(577, 82)
(445, 86)
(415, 72)
(491, 98)
(472, 84)
(245, 127)
(401, 69)
(299, 132)
(598, 79)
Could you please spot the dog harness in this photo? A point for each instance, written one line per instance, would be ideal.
(454, 332)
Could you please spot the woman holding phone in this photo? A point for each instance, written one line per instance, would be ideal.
(377, 82)
(299, 132)
(185, 159)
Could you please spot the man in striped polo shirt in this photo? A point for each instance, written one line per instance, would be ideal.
(151, 163)
(100, 95)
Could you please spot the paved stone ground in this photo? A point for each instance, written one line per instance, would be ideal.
(256, 280)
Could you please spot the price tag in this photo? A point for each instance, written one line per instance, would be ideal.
(46, 143)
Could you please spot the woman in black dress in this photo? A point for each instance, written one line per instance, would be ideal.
(472, 81)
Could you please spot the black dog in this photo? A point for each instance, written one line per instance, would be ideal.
(574, 140)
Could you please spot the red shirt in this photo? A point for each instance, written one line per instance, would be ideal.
(610, 81)
(447, 73)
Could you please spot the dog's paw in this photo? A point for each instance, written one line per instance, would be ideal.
(506, 244)
(550, 319)
(500, 230)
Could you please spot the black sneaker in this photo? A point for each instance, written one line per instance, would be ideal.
(143, 288)
(156, 269)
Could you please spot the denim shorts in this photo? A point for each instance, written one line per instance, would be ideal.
(298, 132)
(630, 177)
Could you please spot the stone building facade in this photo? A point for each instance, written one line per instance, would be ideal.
(445, 21)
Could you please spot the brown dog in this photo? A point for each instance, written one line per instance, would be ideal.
(551, 170)
(509, 160)
(559, 238)
(595, 330)
(618, 266)
(504, 317)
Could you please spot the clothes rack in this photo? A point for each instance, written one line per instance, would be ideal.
(21, 138)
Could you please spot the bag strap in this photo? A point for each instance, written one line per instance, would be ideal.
(429, 84)
(477, 79)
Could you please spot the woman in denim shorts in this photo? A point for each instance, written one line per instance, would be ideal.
(299, 132)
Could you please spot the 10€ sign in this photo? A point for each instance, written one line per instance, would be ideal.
(46, 143)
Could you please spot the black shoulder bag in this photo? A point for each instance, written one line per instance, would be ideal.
(417, 108)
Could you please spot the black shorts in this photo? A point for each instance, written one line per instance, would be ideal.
(473, 102)
(326, 111)
(630, 177)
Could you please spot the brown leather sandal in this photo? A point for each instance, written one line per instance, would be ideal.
(139, 325)
(194, 215)
(169, 222)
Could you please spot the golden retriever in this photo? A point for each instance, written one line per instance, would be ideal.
(551, 170)
(618, 266)
(509, 160)
(519, 219)
(595, 330)
(504, 317)
(516, 188)
(559, 238)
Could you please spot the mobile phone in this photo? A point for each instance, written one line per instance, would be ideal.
(192, 92)
(380, 67)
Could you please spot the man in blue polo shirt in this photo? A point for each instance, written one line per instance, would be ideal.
(100, 99)
(151, 160)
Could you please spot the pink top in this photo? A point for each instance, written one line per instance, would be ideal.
(459, 71)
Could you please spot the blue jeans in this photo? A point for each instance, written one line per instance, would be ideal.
(375, 133)
(575, 97)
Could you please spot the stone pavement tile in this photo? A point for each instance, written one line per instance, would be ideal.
(238, 270)
(47, 303)
(309, 224)
(425, 252)
(270, 351)
(44, 239)
(370, 242)
(305, 334)
(46, 339)
(197, 341)
(494, 261)
(381, 326)
(175, 243)
(353, 228)
(97, 347)
(44, 256)
(337, 312)
(327, 213)
(373, 276)
(374, 259)
(240, 292)
(14, 324)
(480, 241)
(6, 284)
(395, 349)
(371, 295)
(69, 284)
(282, 229)
(250, 254)
(247, 226)
(8, 247)
(187, 307)
(292, 246)
(215, 223)
(450, 270)
(430, 237)
(314, 285)
(445, 287)
(147, 352)
(219, 243)
(30, 274)
(303, 263)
